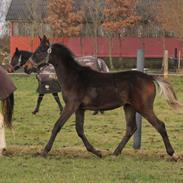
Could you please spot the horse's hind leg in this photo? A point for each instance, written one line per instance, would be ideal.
(160, 127)
(56, 97)
(130, 128)
(40, 98)
(80, 132)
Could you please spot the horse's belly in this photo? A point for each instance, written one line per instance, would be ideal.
(106, 106)
(102, 99)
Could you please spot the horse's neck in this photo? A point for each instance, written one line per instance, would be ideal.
(25, 55)
(66, 75)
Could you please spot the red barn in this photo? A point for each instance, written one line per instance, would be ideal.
(21, 23)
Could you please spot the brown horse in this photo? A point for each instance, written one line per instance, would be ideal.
(7, 98)
(86, 89)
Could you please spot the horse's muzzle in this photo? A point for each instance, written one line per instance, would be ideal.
(10, 68)
(28, 66)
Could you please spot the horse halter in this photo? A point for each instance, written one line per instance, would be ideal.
(18, 65)
(49, 50)
(46, 60)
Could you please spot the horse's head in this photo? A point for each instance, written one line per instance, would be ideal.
(15, 62)
(39, 56)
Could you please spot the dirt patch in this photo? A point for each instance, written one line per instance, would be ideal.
(74, 152)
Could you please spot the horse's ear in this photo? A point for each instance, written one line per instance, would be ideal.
(45, 38)
(16, 50)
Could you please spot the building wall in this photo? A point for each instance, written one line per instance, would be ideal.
(125, 48)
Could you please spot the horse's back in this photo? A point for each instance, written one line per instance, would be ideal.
(111, 90)
(114, 77)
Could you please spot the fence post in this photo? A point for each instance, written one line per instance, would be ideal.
(179, 57)
(165, 64)
(137, 135)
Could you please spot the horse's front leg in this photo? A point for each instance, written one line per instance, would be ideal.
(81, 134)
(68, 110)
(39, 100)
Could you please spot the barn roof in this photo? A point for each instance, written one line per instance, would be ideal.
(22, 10)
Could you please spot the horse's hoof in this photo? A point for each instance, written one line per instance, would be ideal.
(2, 152)
(95, 112)
(34, 112)
(116, 153)
(99, 154)
(174, 157)
(44, 154)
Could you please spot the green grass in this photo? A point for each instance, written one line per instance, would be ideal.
(70, 162)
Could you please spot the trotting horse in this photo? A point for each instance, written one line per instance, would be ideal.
(86, 89)
(7, 98)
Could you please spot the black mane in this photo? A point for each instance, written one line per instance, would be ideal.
(68, 56)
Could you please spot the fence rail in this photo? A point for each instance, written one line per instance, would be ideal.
(148, 72)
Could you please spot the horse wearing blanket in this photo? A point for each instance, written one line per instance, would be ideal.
(7, 98)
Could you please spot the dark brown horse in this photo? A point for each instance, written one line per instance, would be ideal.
(86, 89)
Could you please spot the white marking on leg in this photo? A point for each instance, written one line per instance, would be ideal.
(175, 157)
(2, 134)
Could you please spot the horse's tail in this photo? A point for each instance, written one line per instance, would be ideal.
(7, 110)
(167, 91)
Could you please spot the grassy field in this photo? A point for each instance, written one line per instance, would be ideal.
(69, 161)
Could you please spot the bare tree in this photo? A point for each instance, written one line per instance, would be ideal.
(148, 26)
(117, 16)
(93, 19)
(35, 24)
(169, 15)
(4, 4)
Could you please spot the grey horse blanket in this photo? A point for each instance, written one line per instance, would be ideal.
(47, 80)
